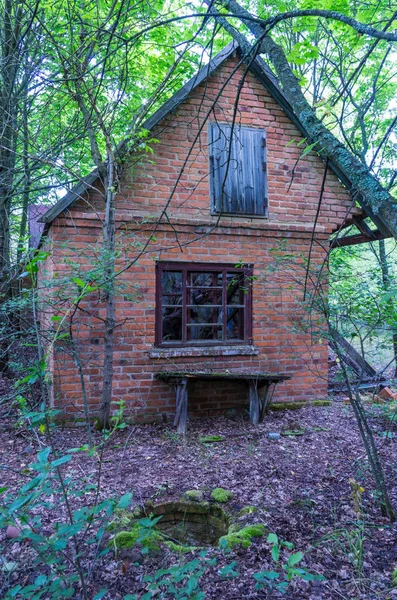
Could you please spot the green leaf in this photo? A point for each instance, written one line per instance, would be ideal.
(31, 484)
(100, 594)
(40, 580)
(61, 461)
(79, 282)
(275, 553)
(125, 500)
(271, 575)
(14, 591)
(294, 559)
(272, 538)
(43, 455)
(20, 502)
(312, 577)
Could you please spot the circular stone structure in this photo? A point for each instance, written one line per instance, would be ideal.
(192, 523)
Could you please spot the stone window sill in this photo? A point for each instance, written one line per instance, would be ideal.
(204, 351)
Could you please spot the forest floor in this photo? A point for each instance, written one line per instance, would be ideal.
(299, 484)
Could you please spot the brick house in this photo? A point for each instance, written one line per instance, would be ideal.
(214, 230)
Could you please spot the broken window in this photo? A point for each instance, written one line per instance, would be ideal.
(203, 304)
(238, 170)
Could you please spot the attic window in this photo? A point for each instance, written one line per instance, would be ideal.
(203, 304)
(238, 170)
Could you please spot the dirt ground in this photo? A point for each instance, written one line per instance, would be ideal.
(299, 483)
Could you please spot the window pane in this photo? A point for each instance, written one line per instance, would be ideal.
(204, 332)
(202, 296)
(171, 300)
(171, 282)
(235, 323)
(172, 324)
(236, 288)
(204, 279)
(207, 314)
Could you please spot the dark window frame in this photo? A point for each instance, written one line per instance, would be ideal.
(192, 267)
(215, 172)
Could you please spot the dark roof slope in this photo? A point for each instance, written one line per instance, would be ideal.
(268, 80)
(35, 224)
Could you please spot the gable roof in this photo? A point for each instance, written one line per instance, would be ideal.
(261, 70)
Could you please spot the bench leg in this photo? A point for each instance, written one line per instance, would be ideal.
(260, 398)
(180, 420)
(264, 401)
(254, 402)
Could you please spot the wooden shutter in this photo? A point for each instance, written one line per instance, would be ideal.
(238, 170)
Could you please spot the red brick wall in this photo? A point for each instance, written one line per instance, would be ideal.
(275, 245)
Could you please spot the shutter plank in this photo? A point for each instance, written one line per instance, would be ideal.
(238, 170)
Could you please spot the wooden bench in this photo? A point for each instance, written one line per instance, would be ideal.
(259, 388)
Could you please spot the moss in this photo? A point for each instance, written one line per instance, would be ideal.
(298, 405)
(293, 432)
(125, 539)
(221, 495)
(247, 510)
(148, 538)
(179, 548)
(322, 402)
(211, 439)
(243, 537)
(194, 495)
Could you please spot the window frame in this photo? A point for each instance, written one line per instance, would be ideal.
(212, 126)
(186, 268)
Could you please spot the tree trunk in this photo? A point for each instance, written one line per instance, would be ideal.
(109, 287)
(26, 183)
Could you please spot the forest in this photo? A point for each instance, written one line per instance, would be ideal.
(198, 200)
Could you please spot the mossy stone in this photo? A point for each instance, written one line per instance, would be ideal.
(298, 405)
(221, 495)
(243, 537)
(194, 495)
(148, 538)
(211, 439)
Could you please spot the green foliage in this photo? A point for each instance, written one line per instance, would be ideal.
(75, 534)
(361, 300)
(221, 495)
(287, 567)
(179, 582)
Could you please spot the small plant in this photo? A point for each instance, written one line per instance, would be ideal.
(287, 570)
(357, 495)
(172, 435)
(179, 582)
